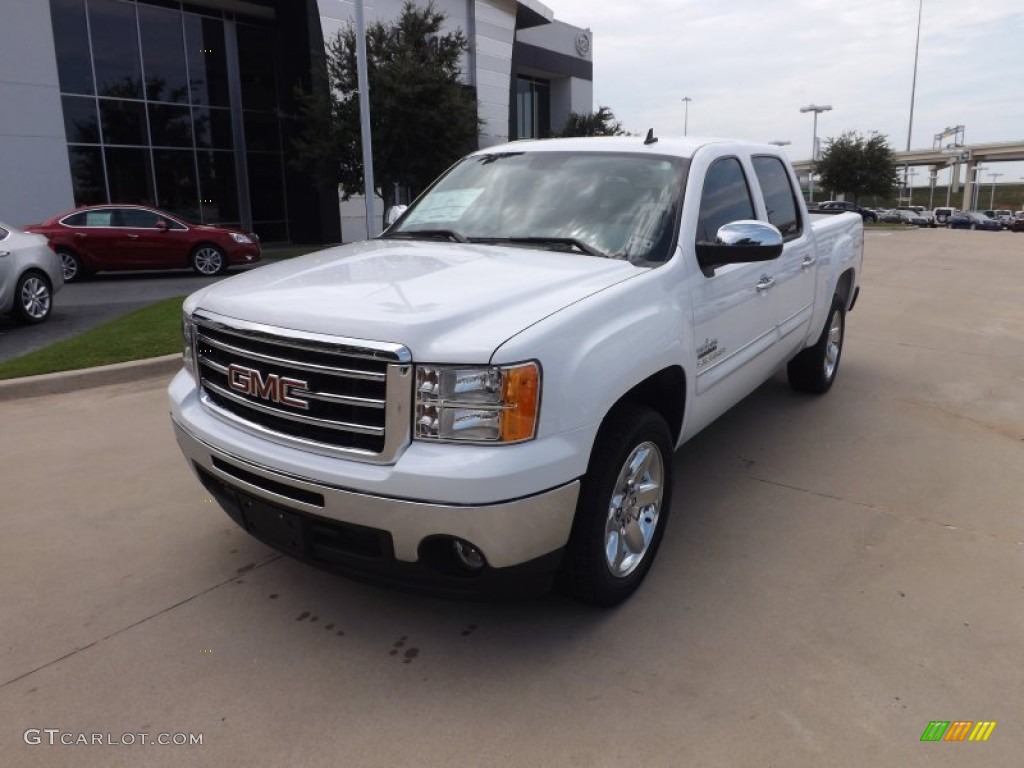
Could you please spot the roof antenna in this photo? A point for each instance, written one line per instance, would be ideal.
(651, 138)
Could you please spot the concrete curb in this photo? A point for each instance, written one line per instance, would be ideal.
(86, 378)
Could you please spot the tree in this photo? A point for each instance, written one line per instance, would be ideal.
(600, 123)
(422, 117)
(855, 165)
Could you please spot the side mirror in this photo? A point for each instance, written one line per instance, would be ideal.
(161, 225)
(740, 242)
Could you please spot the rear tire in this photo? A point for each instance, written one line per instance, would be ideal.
(815, 368)
(70, 265)
(33, 298)
(623, 507)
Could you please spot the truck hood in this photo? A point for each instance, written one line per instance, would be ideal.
(446, 302)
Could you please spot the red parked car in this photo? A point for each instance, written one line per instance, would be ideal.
(108, 237)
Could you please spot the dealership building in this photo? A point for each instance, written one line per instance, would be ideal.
(185, 105)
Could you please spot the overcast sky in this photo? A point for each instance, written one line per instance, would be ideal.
(749, 65)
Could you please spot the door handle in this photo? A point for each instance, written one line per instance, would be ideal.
(765, 283)
(808, 261)
(80, 234)
(133, 237)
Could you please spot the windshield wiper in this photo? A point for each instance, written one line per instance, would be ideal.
(579, 245)
(449, 234)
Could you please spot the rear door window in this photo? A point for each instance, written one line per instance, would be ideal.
(779, 196)
(104, 218)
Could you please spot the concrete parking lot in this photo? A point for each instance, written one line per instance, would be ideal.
(838, 572)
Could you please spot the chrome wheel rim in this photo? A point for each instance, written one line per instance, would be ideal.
(35, 298)
(833, 344)
(633, 510)
(208, 261)
(68, 265)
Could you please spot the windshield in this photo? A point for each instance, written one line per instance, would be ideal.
(618, 205)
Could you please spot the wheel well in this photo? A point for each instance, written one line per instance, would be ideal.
(36, 271)
(204, 244)
(663, 392)
(844, 288)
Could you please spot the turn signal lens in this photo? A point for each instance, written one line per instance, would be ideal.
(520, 397)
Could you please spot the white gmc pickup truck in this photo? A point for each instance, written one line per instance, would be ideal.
(489, 394)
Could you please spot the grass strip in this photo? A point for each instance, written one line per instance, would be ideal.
(151, 331)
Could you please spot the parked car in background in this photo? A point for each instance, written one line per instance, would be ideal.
(918, 210)
(1004, 217)
(901, 216)
(1018, 222)
(940, 216)
(842, 206)
(973, 220)
(30, 273)
(116, 237)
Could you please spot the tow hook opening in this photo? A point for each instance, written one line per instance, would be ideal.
(452, 556)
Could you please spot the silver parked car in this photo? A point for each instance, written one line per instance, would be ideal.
(30, 273)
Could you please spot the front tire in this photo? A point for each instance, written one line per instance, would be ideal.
(208, 260)
(623, 507)
(33, 298)
(815, 368)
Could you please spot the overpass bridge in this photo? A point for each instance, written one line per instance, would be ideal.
(971, 155)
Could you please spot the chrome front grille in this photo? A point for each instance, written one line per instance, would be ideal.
(323, 393)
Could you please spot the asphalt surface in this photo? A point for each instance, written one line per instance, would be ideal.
(83, 305)
(837, 573)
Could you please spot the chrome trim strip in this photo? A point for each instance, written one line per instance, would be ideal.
(313, 342)
(327, 397)
(338, 426)
(348, 373)
(254, 428)
(801, 311)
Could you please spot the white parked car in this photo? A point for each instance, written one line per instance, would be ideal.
(30, 273)
(493, 389)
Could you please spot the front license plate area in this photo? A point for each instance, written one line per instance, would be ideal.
(271, 524)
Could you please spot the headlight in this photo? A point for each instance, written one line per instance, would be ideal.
(238, 238)
(188, 341)
(485, 404)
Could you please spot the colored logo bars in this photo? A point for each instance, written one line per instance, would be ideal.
(958, 730)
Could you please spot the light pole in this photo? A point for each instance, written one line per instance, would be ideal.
(992, 200)
(686, 115)
(910, 174)
(913, 84)
(364, 120)
(816, 109)
(974, 190)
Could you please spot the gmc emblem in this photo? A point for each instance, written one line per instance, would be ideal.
(277, 389)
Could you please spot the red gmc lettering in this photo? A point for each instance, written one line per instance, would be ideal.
(277, 389)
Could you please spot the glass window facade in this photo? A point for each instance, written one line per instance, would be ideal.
(153, 116)
(533, 108)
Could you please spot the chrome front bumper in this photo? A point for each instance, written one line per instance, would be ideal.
(508, 533)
